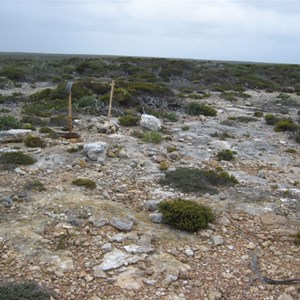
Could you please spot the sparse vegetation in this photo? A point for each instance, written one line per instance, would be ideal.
(297, 238)
(198, 180)
(271, 119)
(152, 137)
(129, 120)
(85, 182)
(226, 154)
(285, 125)
(185, 214)
(258, 114)
(222, 135)
(34, 141)
(185, 128)
(24, 291)
(9, 122)
(196, 109)
(16, 158)
(34, 185)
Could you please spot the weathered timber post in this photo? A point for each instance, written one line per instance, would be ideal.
(111, 98)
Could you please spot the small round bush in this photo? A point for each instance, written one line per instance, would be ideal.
(258, 114)
(185, 214)
(86, 101)
(16, 158)
(226, 154)
(271, 119)
(9, 122)
(85, 182)
(129, 120)
(34, 141)
(297, 238)
(195, 109)
(24, 291)
(152, 137)
(285, 125)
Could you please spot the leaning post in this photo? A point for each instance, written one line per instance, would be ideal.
(110, 99)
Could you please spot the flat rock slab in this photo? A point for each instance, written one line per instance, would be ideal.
(121, 224)
(13, 135)
(272, 219)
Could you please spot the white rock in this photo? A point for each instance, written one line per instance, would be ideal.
(95, 151)
(218, 240)
(150, 122)
(106, 247)
(14, 135)
(113, 260)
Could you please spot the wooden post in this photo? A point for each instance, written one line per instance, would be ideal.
(111, 98)
(70, 125)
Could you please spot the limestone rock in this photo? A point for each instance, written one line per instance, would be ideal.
(95, 151)
(113, 260)
(122, 224)
(151, 205)
(272, 219)
(108, 127)
(150, 122)
(13, 135)
(156, 218)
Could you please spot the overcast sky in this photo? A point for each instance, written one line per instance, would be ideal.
(249, 30)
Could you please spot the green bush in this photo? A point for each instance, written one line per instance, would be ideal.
(258, 114)
(34, 120)
(271, 119)
(34, 185)
(185, 128)
(222, 135)
(57, 121)
(34, 141)
(51, 133)
(16, 158)
(297, 137)
(24, 291)
(285, 125)
(86, 101)
(226, 154)
(185, 214)
(85, 182)
(129, 120)
(152, 137)
(195, 109)
(9, 122)
(198, 180)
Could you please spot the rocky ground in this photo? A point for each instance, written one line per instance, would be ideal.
(103, 243)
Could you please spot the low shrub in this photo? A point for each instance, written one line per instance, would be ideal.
(152, 137)
(58, 121)
(24, 291)
(226, 154)
(297, 137)
(34, 141)
(16, 158)
(34, 120)
(129, 120)
(51, 133)
(85, 182)
(171, 149)
(185, 128)
(258, 114)
(297, 238)
(245, 119)
(271, 119)
(86, 101)
(198, 180)
(195, 109)
(185, 214)
(34, 185)
(9, 122)
(285, 125)
(222, 135)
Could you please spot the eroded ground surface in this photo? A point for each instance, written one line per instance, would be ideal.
(67, 239)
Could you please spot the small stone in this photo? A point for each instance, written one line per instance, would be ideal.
(106, 247)
(88, 278)
(121, 224)
(272, 219)
(59, 274)
(188, 252)
(251, 246)
(98, 272)
(217, 240)
(215, 295)
(285, 297)
(119, 238)
(156, 218)
(149, 281)
(151, 205)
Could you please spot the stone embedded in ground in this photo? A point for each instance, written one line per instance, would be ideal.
(150, 123)
(113, 260)
(151, 205)
(14, 135)
(272, 219)
(121, 224)
(156, 218)
(95, 151)
(217, 240)
(139, 249)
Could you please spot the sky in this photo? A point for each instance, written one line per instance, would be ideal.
(234, 30)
